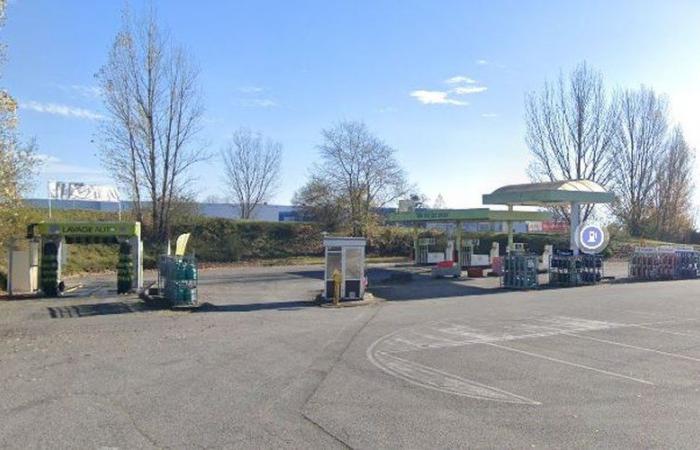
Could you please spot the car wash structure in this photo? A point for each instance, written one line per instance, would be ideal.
(457, 248)
(47, 242)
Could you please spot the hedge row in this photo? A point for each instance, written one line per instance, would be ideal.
(224, 240)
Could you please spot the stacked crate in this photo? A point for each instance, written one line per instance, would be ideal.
(519, 271)
(566, 269)
(125, 269)
(687, 264)
(178, 280)
(664, 263)
(49, 269)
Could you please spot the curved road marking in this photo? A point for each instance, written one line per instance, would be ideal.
(384, 352)
(438, 380)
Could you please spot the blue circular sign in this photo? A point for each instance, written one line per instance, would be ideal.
(591, 238)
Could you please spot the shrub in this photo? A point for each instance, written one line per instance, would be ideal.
(225, 240)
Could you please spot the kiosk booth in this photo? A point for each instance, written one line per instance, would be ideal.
(23, 268)
(345, 258)
(47, 242)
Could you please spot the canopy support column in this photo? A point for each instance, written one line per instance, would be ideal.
(510, 232)
(575, 222)
(415, 245)
(458, 242)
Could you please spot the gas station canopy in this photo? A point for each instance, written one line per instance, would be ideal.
(546, 194)
(468, 215)
(570, 192)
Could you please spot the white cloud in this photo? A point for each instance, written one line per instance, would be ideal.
(436, 98)
(489, 115)
(258, 102)
(462, 85)
(255, 97)
(460, 79)
(250, 89)
(87, 91)
(91, 92)
(481, 62)
(466, 90)
(61, 110)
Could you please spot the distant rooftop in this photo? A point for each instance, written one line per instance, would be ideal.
(267, 213)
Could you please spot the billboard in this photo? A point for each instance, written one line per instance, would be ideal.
(63, 190)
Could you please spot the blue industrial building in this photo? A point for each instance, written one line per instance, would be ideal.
(266, 213)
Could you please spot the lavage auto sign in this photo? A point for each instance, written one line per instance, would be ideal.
(592, 238)
(88, 229)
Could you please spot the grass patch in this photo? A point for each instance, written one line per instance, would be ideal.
(91, 258)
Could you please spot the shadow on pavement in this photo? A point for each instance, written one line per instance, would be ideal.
(260, 278)
(95, 309)
(433, 289)
(290, 305)
(104, 309)
(402, 285)
(312, 273)
(408, 283)
(374, 274)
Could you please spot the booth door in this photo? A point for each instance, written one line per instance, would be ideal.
(354, 272)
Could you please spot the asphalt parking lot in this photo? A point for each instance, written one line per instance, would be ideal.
(437, 364)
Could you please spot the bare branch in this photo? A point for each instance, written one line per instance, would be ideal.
(570, 129)
(152, 97)
(639, 147)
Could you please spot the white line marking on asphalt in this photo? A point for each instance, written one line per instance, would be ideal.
(663, 322)
(661, 330)
(636, 347)
(423, 337)
(431, 378)
(383, 353)
(569, 363)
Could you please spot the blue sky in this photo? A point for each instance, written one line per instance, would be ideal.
(288, 69)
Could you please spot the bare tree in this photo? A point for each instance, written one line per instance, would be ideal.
(361, 171)
(151, 93)
(673, 190)
(252, 169)
(570, 130)
(439, 202)
(639, 148)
